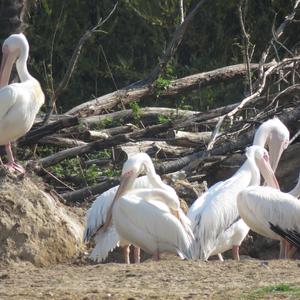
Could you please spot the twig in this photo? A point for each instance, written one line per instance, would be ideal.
(294, 137)
(73, 61)
(254, 96)
(215, 133)
(181, 11)
(52, 48)
(173, 45)
(279, 43)
(279, 31)
(287, 90)
(247, 45)
(57, 179)
(108, 67)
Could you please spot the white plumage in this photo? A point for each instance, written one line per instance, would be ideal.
(216, 222)
(19, 102)
(262, 206)
(97, 215)
(274, 134)
(219, 213)
(144, 218)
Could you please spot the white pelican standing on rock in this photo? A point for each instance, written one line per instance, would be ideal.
(275, 135)
(272, 213)
(106, 236)
(19, 102)
(216, 223)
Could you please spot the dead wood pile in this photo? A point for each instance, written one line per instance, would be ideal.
(204, 145)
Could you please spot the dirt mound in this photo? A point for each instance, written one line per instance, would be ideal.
(34, 226)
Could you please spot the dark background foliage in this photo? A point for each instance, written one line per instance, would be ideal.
(136, 36)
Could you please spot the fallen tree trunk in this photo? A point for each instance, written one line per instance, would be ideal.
(100, 162)
(151, 113)
(35, 134)
(129, 94)
(157, 148)
(102, 144)
(190, 139)
(60, 141)
(82, 194)
(190, 162)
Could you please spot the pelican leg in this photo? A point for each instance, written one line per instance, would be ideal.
(288, 250)
(137, 255)
(220, 257)
(235, 252)
(156, 255)
(282, 249)
(292, 252)
(126, 252)
(11, 165)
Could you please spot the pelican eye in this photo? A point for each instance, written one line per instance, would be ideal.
(266, 156)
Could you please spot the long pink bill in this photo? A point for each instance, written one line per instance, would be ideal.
(267, 173)
(276, 147)
(123, 187)
(7, 62)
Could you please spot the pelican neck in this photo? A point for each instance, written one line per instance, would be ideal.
(156, 181)
(21, 65)
(251, 165)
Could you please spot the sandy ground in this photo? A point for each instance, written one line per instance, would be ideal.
(170, 278)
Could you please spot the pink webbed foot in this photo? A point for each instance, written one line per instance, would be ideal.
(14, 167)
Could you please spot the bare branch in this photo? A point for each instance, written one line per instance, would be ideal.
(279, 43)
(278, 32)
(188, 83)
(254, 96)
(181, 11)
(173, 45)
(73, 61)
(246, 45)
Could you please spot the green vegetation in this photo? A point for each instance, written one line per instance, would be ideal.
(163, 119)
(135, 38)
(137, 35)
(160, 84)
(136, 111)
(280, 291)
(74, 172)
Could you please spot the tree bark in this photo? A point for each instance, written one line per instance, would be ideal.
(102, 144)
(190, 162)
(129, 94)
(35, 134)
(156, 148)
(82, 194)
(60, 141)
(148, 113)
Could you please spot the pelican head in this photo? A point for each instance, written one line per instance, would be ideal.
(14, 47)
(278, 142)
(134, 166)
(276, 135)
(262, 161)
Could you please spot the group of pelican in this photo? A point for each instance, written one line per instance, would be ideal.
(145, 212)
